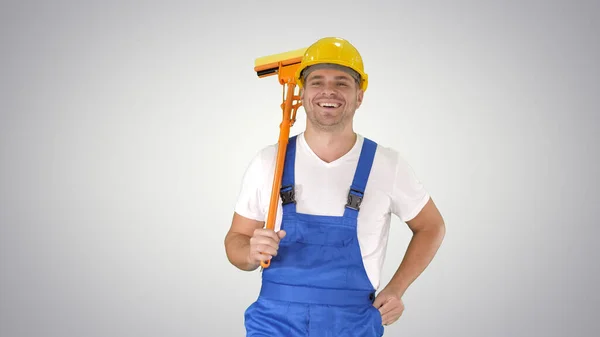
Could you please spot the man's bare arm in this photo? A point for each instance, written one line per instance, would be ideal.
(237, 241)
(428, 233)
(247, 243)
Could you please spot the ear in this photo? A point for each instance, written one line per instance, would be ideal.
(359, 98)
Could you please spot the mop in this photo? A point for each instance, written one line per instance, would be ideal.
(284, 65)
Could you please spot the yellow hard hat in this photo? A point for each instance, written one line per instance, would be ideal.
(333, 50)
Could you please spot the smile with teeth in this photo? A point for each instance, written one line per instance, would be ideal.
(329, 105)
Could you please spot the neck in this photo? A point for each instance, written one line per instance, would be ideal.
(330, 145)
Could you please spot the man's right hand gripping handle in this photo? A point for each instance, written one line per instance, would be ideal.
(264, 244)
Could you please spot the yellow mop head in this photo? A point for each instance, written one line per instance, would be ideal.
(269, 65)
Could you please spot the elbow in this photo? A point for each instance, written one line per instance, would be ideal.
(435, 231)
(441, 231)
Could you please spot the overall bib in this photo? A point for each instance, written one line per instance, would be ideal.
(317, 285)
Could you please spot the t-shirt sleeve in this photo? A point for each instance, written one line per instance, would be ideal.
(409, 196)
(249, 203)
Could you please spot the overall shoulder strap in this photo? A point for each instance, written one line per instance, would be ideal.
(361, 176)
(287, 191)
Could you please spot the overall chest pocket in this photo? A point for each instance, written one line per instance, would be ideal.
(319, 233)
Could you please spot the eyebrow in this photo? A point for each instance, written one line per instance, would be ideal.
(339, 77)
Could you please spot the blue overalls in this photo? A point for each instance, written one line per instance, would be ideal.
(317, 285)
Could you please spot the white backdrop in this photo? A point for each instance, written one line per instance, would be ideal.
(125, 129)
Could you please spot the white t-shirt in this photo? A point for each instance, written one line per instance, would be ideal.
(321, 188)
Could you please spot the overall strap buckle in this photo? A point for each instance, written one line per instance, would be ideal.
(355, 198)
(287, 195)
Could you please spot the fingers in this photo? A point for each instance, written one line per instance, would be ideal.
(264, 244)
(264, 250)
(266, 233)
(379, 300)
(386, 307)
(281, 234)
(258, 257)
(391, 311)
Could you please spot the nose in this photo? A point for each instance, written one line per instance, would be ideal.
(328, 89)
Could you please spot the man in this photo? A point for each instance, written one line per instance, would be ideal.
(338, 192)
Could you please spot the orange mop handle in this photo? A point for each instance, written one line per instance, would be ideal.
(284, 134)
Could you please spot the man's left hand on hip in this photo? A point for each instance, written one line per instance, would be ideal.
(390, 305)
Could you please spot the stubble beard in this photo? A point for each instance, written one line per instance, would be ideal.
(324, 124)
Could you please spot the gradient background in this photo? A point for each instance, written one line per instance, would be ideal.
(126, 127)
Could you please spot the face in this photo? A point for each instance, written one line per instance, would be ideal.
(330, 98)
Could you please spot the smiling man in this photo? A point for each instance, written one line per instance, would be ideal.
(339, 190)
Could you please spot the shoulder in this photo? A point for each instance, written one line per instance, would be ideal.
(264, 158)
(388, 160)
(406, 191)
(408, 194)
